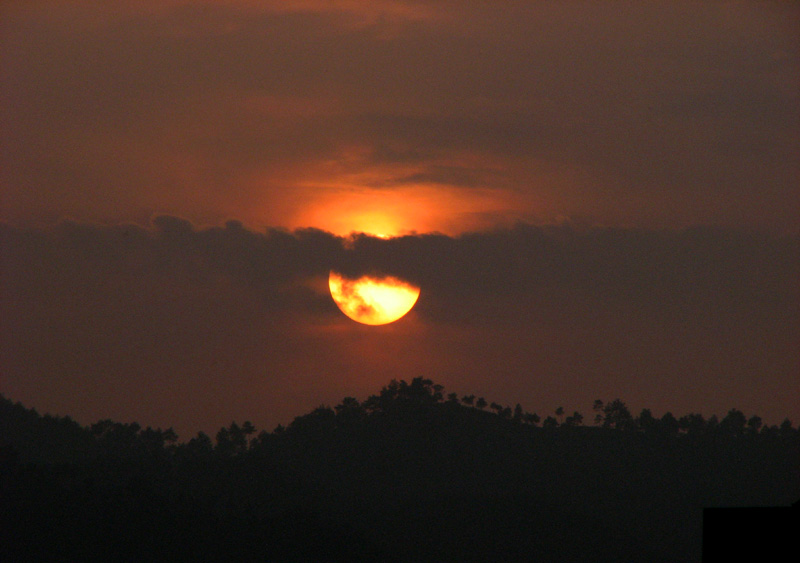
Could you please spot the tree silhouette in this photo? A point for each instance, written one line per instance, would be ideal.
(575, 420)
(115, 437)
(355, 482)
(754, 424)
(786, 429)
(420, 391)
(734, 422)
(646, 421)
(234, 439)
(200, 446)
(692, 423)
(349, 412)
(597, 407)
(669, 424)
(155, 440)
(532, 418)
(616, 415)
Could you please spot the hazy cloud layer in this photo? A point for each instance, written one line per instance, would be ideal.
(174, 324)
(646, 113)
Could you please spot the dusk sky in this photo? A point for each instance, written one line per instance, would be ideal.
(596, 200)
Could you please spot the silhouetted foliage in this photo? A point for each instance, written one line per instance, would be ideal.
(576, 419)
(550, 423)
(754, 424)
(669, 424)
(692, 423)
(531, 418)
(518, 413)
(614, 415)
(404, 475)
(734, 422)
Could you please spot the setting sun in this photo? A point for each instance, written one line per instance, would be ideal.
(372, 301)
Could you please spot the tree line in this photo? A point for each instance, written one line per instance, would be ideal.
(41, 436)
(411, 473)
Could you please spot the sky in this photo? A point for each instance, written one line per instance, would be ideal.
(597, 200)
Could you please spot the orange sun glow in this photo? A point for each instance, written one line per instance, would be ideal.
(372, 301)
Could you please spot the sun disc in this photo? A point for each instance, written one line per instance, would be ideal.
(370, 300)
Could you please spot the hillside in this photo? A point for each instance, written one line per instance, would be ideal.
(407, 475)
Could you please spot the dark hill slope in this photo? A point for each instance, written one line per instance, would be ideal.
(402, 476)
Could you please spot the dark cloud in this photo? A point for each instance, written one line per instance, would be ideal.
(174, 324)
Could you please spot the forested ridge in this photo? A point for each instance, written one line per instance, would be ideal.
(409, 474)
